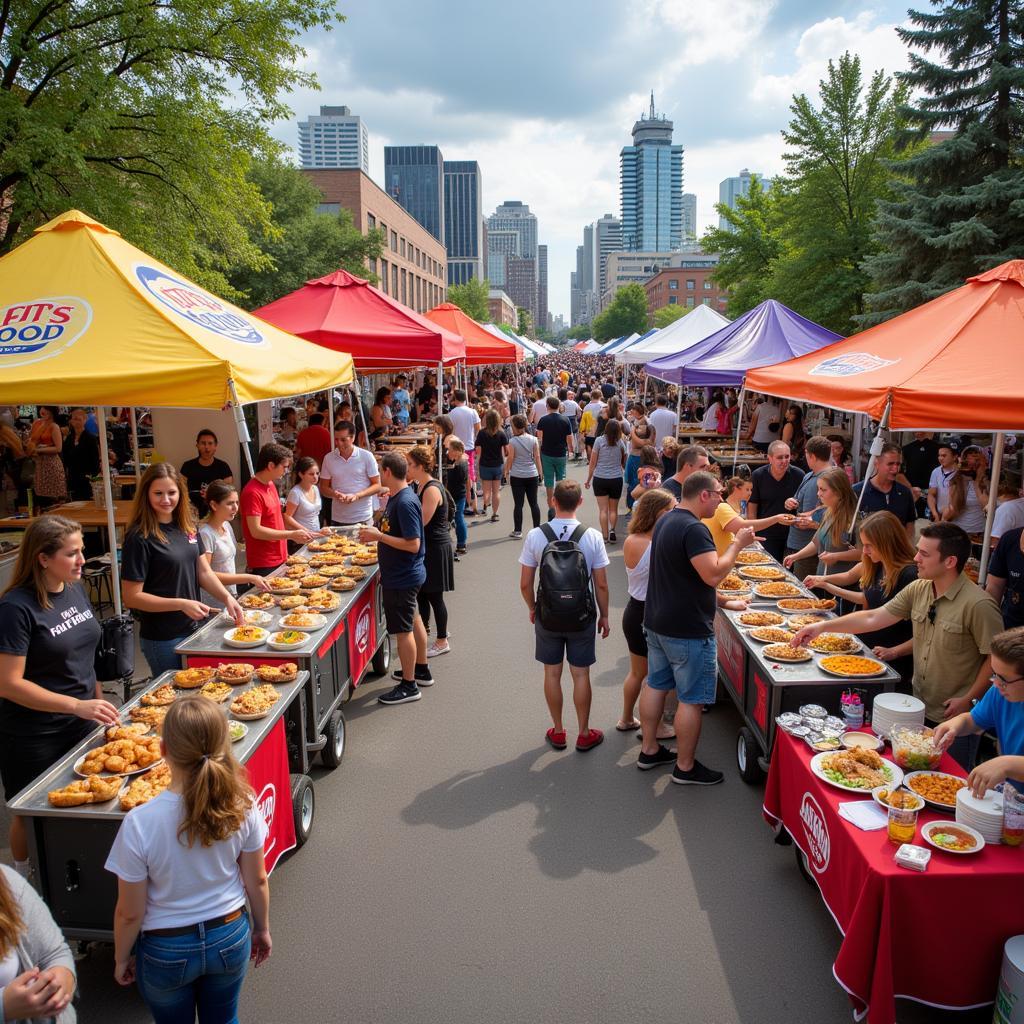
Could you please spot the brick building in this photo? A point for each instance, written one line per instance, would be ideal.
(684, 286)
(414, 265)
(501, 308)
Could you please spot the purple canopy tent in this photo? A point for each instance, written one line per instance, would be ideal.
(770, 333)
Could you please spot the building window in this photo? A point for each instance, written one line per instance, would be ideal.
(394, 281)
(672, 286)
(405, 295)
(673, 301)
(384, 276)
(373, 266)
(707, 286)
(707, 302)
(689, 302)
(690, 284)
(401, 246)
(394, 241)
(371, 222)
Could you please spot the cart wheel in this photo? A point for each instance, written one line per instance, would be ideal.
(382, 659)
(801, 863)
(303, 807)
(337, 734)
(748, 750)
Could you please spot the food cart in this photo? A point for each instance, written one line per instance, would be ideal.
(334, 660)
(68, 846)
(762, 688)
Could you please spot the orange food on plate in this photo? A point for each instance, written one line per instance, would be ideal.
(852, 665)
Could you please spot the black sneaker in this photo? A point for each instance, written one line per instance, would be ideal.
(645, 762)
(698, 775)
(422, 679)
(403, 693)
(611, 536)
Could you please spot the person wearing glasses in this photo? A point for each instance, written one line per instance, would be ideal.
(1001, 711)
(953, 620)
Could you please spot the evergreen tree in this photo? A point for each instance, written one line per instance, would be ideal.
(960, 206)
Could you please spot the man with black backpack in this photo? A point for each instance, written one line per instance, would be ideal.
(568, 561)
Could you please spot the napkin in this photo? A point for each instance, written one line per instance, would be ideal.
(865, 814)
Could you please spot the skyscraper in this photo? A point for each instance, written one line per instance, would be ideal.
(511, 234)
(732, 188)
(414, 178)
(333, 139)
(463, 221)
(515, 216)
(689, 218)
(651, 184)
(521, 286)
(542, 287)
(501, 247)
(607, 235)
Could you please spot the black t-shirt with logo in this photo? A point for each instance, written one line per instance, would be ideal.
(197, 474)
(1008, 564)
(555, 428)
(679, 603)
(59, 648)
(164, 570)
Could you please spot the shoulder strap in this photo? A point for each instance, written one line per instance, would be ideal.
(548, 532)
(577, 534)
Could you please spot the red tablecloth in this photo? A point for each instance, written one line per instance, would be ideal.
(935, 937)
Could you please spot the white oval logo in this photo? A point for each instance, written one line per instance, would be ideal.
(363, 630)
(267, 802)
(816, 833)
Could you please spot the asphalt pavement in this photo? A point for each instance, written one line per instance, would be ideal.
(461, 871)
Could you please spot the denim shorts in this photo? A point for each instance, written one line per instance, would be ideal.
(688, 665)
(491, 472)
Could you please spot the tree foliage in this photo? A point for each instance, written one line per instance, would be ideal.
(627, 314)
(581, 332)
(471, 298)
(666, 315)
(146, 114)
(525, 326)
(958, 206)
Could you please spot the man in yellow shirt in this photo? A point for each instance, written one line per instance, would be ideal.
(727, 522)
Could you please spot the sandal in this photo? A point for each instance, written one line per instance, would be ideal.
(556, 739)
(591, 740)
(494, 518)
(631, 727)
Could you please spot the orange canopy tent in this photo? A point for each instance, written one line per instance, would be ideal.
(951, 364)
(482, 347)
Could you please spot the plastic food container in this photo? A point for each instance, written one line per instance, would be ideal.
(853, 740)
(914, 751)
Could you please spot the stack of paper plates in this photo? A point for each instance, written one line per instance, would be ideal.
(984, 815)
(896, 710)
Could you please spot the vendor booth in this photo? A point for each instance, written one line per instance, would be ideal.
(482, 347)
(679, 336)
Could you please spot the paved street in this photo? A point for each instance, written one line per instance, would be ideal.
(462, 871)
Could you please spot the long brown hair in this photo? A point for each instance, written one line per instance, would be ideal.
(11, 924)
(492, 422)
(648, 509)
(958, 482)
(837, 520)
(144, 518)
(215, 791)
(44, 536)
(889, 538)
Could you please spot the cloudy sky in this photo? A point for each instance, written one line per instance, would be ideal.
(543, 93)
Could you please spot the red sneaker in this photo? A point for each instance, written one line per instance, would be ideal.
(592, 738)
(556, 739)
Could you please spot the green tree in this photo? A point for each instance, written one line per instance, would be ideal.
(959, 206)
(666, 315)
(836, 173)
(300, 243)
(747, 253)
(147, 114)
(507, 328)
(471, 298)
(581, 332)
(627, 314)
(525, 323)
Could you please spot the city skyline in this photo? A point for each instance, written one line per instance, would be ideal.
(553, 137)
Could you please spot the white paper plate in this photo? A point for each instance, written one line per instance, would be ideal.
(941, 826)
(320, 622)
(242, 726)
(252, 618)
(250, 718)
(246, 643)
(894, 769)
(274, 646)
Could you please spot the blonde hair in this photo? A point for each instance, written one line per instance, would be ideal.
(889, 538)
(649, 508)
(44, 536)
(11, 924)
(215, 791)
(838, 519)
(144, 518)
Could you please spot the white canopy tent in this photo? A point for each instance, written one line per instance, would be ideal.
(697, 325)
(593, 347)
(533, 348)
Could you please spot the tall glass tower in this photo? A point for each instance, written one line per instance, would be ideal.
(463, 221)
(414, 178)
(651, 184)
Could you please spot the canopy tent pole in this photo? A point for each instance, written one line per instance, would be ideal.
(876, 449)
(679, 404)
(241, 426)
(993, 496)
(739, 426)
(108, 493)
(440, 410)
(135, 444)
(359, 402)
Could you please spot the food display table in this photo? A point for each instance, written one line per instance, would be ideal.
(761, 689)
(87, 513)
(935, 937)
(334, 658)
(68, 846)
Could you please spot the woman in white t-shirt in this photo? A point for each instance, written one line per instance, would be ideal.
(219, 542)
(303, 504)
(186, 861)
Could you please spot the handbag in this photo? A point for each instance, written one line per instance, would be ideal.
(115, 653)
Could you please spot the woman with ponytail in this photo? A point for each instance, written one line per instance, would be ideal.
(185, 862)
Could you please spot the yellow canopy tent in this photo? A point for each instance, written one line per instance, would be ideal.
(88, 319)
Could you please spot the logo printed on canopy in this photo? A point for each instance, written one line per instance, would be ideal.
(198, 306)
(41, 328)
(850, 364)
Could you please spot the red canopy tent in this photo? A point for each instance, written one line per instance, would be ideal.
(482, 347)
(346, 313)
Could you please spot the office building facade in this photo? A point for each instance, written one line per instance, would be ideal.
(607, 238)
(542, 288)
(500, 308)
(515, 216)
(638, 267)
(334, 138)
(686, 286)
(414, 265)
(732, 189)
(521, 286)
(689, 218)
(414, 178)
(501, 247)
(463, 221)
(651, 186)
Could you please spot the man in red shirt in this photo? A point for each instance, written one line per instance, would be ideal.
(314, 440)
(266, 538)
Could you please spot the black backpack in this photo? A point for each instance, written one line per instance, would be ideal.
(565, 598)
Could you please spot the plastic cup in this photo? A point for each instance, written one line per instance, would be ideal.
(902, 825)
(1013, 815)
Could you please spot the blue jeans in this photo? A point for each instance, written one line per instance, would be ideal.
(461, 533)
(200, 973)
(160, 654)
(689, 665)
(632, 477)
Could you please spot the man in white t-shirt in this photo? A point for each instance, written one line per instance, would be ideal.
(664, 421)
(466, 422)
(553, 647)
(539, 407)
(572, 412)
(350, 477)
(1009, 516)
(938, 484)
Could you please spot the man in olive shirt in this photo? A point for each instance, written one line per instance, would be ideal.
(954, 623)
